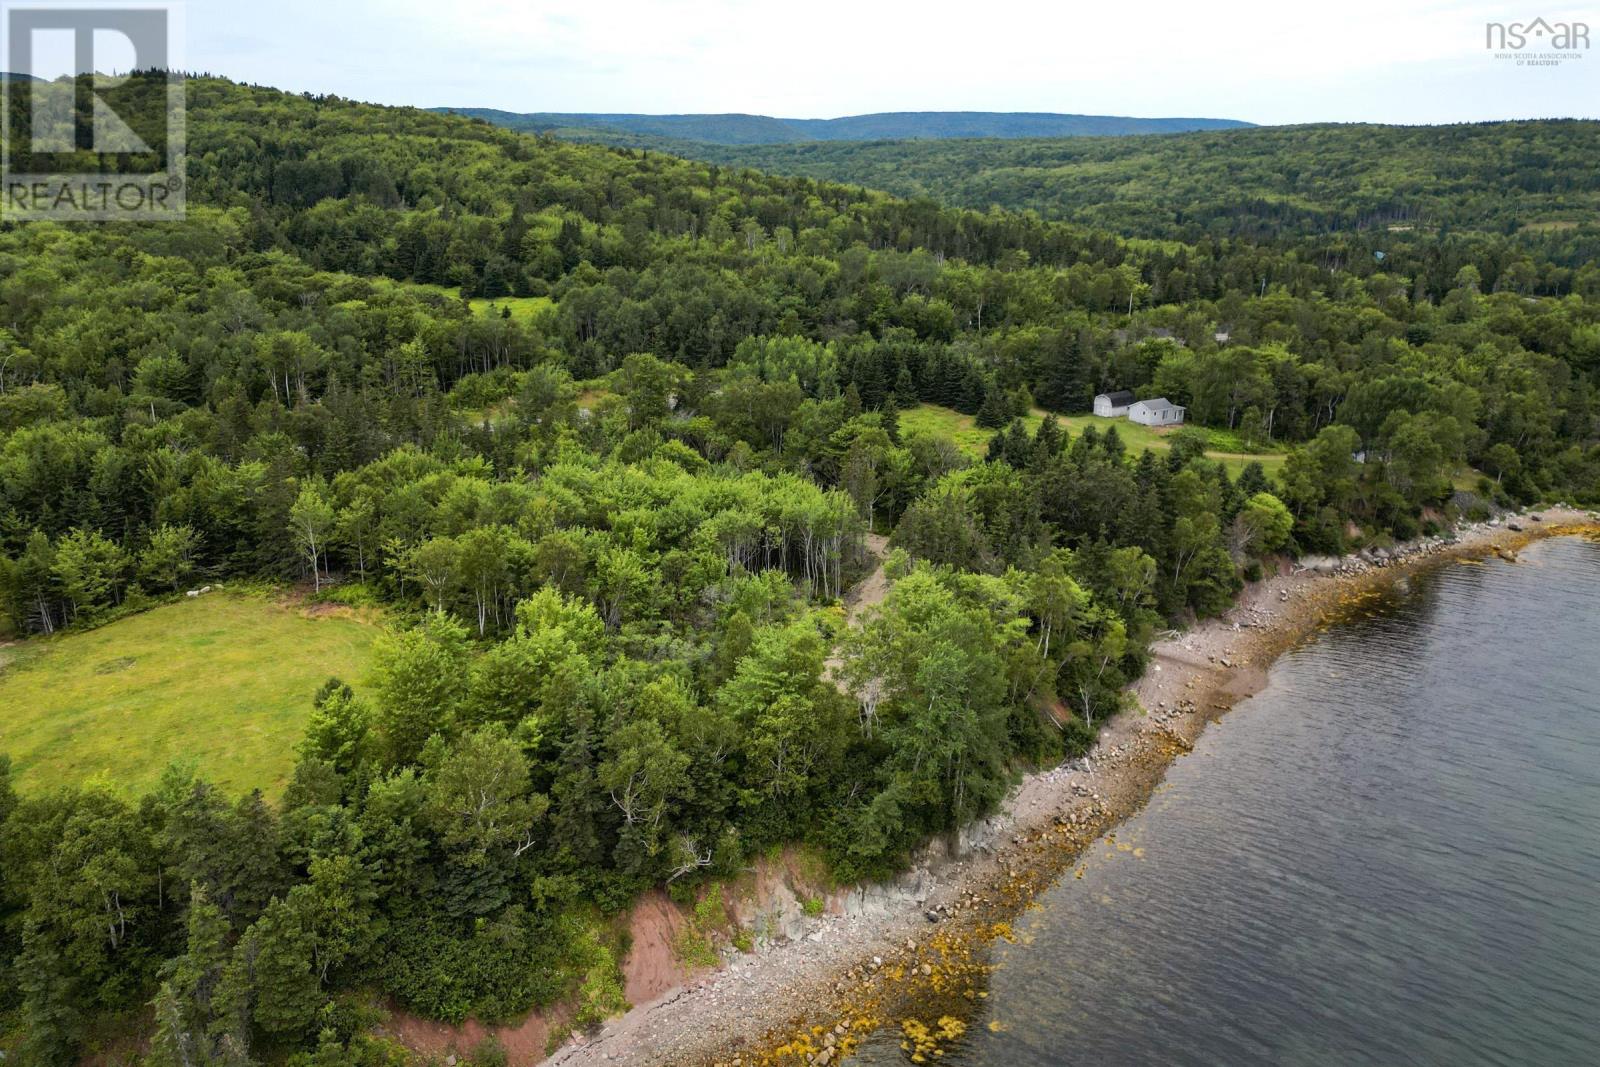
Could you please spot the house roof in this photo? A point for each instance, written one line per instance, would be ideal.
(1120, 398)
(1159, 402)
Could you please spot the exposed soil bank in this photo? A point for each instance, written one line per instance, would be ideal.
(911, 953)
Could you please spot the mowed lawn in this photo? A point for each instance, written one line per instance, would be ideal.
(974, 440)
(226, 679)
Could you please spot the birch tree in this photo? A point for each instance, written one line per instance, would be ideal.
(311, 520)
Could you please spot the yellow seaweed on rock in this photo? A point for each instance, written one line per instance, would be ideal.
(922, 1040)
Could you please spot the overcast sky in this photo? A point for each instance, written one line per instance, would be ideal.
(1356, 60)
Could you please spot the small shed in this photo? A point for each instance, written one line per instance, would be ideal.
(1113, 405)
(1156, 412)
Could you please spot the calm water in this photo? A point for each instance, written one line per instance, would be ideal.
(1390, 856)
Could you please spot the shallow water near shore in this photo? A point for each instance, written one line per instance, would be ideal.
(1390, 855)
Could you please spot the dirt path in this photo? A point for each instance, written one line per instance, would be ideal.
(866, 594)
(870, 591)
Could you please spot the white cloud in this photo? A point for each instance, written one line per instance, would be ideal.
(1267, 62)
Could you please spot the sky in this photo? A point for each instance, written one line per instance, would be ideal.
(1272, 63)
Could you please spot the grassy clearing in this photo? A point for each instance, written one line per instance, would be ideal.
(496, 415)
(503, 412)
(974, 440)
(591, 396)
(226, 679)
(940, 421)
(1467, 478)
(522, 307)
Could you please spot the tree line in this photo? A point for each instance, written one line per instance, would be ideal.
(605, 433)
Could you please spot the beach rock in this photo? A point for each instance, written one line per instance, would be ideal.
(979, 836)
(872, 901)
(1513, 527)
(784, 919)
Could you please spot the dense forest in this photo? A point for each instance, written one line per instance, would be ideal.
(606, 432)
(1397, 183)
(663, 130)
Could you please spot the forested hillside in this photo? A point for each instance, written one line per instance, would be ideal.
(1522, 178)
(612, 527)
(667, 130)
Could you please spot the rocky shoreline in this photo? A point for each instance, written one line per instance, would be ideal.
(911, 953)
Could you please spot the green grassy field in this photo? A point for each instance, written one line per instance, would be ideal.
(522, 307)
(225, 679)
(973, 439)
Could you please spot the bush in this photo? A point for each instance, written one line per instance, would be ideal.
(494, 970)
(693, 946)
(489, 1053)
(600, 996)
(712, 912)
(482, 390)
(352, 595)
(1077, 737)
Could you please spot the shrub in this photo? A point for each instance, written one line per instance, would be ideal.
(489, 1053)
(447, 970)
(600, 996)
(693, 946)
(712, 912)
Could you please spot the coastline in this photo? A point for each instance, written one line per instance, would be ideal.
(911, 953)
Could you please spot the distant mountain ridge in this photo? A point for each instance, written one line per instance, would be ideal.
(739, 129)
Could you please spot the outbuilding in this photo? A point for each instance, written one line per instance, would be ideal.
(1157, 412)
(1112, 405)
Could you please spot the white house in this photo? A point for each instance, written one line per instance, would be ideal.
(1157, 412)
(1112, 405)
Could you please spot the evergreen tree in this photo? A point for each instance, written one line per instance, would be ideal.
(995, 410)
(890, 419)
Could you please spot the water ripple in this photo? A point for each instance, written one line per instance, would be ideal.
(1391, 856)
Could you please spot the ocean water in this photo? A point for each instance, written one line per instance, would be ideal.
(1389, 856)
